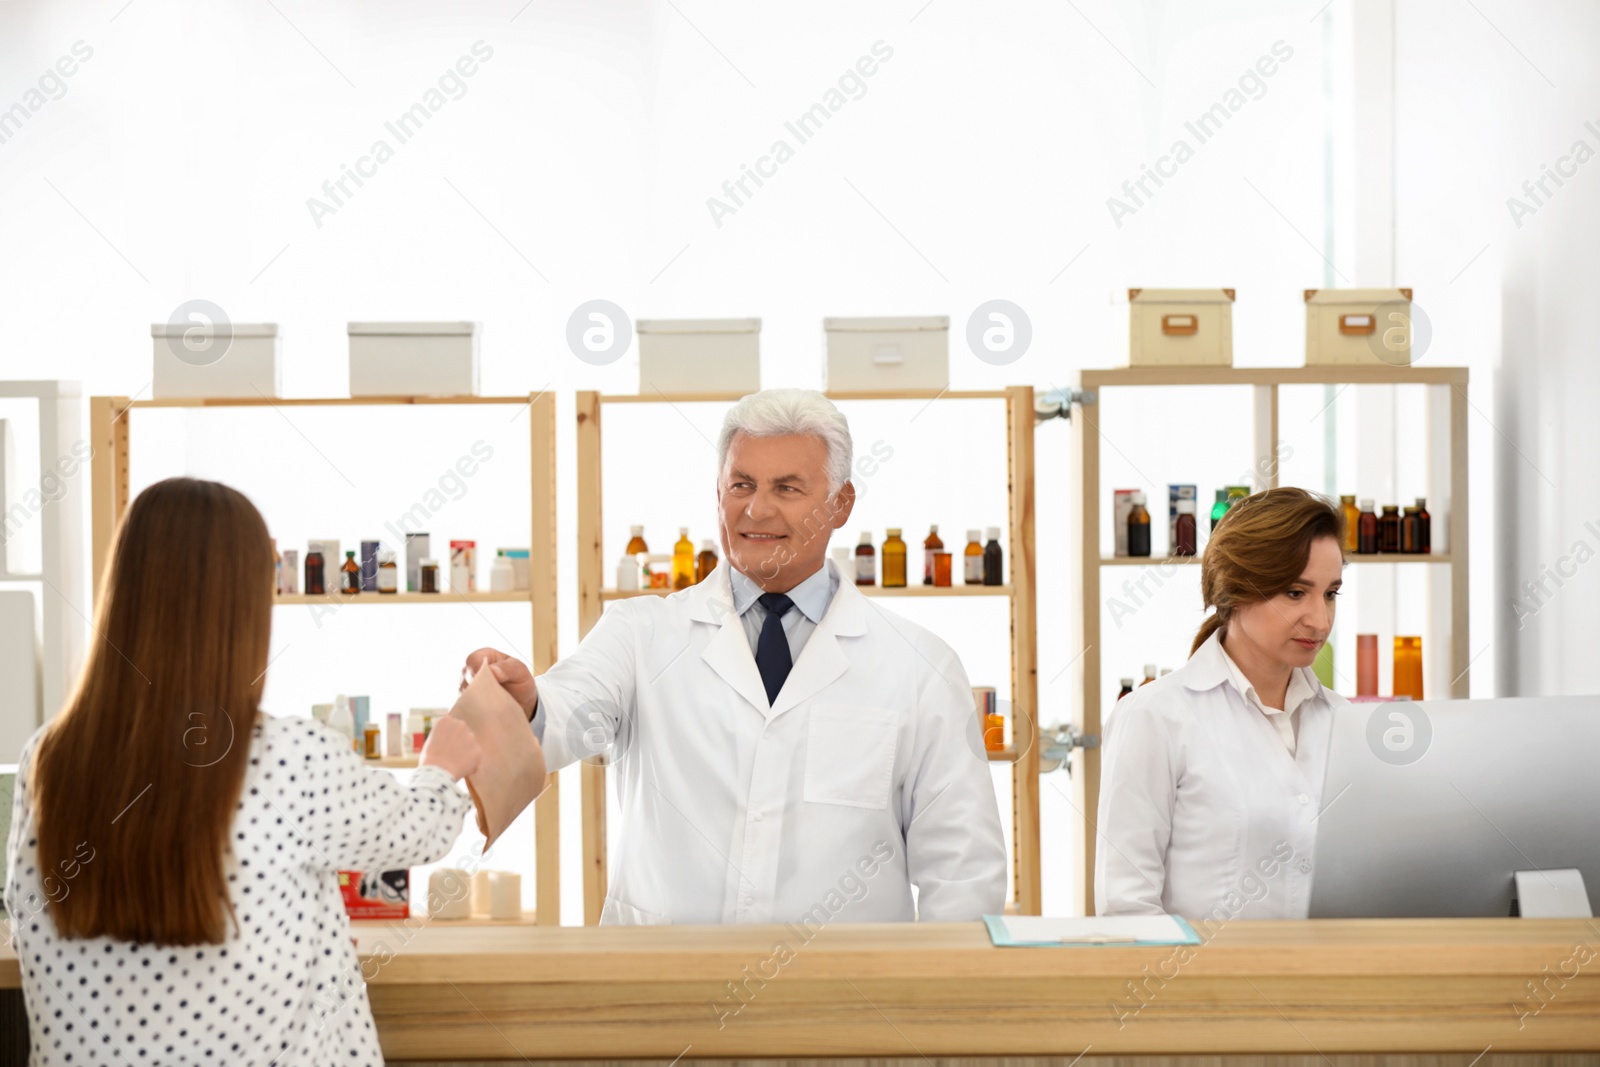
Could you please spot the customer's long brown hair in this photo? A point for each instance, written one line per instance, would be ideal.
(1259, 549)
(142, 771)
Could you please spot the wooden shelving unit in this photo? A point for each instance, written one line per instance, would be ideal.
(1447, 479)
(110, 424)
(593, 596)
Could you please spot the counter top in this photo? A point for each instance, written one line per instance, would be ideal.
(489, 992)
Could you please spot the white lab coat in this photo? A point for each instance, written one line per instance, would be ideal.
(1204, 812)
(866, 776)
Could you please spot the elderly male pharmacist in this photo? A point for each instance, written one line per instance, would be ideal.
(776, 734)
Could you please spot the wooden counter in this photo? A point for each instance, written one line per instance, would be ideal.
(1314, 988)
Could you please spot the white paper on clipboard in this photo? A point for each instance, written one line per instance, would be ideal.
(1039, 931)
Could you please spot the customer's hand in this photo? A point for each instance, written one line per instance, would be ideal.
(512, 674)
(452, 747)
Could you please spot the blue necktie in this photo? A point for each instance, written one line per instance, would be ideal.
(772, 647)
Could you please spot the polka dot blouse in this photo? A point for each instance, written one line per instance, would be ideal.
(285, 988)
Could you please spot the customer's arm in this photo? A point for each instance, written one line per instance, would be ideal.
(356, 817)
(1134, 827)
(955, 853)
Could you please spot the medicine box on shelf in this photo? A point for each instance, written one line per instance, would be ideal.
(206, 359)
(413, 358)
(1358, 327)
(1180, 327)
(887, 354)
(699, 356)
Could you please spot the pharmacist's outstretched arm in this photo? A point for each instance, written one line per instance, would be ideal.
(512, 674)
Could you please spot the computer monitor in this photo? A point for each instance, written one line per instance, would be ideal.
(1429, 808)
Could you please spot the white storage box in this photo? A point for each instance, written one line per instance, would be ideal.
(413, 358)
(699, 356)
(1354, 328)
(192, 360)
(887, 355)
(1180, 327)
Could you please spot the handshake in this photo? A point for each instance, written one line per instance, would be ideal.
(486, 740)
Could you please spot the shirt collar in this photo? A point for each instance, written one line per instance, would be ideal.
(1211, 666)
(811, 596)
(1299, 691)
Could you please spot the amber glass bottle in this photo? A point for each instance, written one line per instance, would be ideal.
(894, 560)
(929, 547)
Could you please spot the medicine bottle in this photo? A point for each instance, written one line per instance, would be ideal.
(1138, 528)
(866, 560)
(683, 560)
(1220, 508)
(1352, 524)
(388, 573)
(1389, 529)
(1185, 536)
(636, 543)
(351, 574)
(429, 576)
(894, 560)
(1367, 539)
(929, 546)
(706, 561)
(972, 567)
(1425, 526)
(992, 572)
(314, 571)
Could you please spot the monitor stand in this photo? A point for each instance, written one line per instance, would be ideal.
(1553, 894)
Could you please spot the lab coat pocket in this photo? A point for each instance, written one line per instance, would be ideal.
(850, 755)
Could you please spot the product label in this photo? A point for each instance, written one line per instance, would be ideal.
(974, 570)
(865, 569)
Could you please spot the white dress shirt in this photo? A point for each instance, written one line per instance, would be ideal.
(864, 778)
(1286, 719)
(811, 599)
(1203, 811)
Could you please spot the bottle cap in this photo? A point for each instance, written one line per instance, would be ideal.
(934, 528)
(429, 563)
(1149, 670)
(1422, 502)
(994, 533)
(973, 535)
(636, 531)
(708, 545)
(1366, 503)
(1136, 498)
(866, 537)
(1347, 499)
(385, 555)
(683, 531)
(349, 555)
(894, 531)
(1186, 507)
(1127, 683)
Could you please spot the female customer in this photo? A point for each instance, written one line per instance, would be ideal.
(173, 890)
(1212, 779)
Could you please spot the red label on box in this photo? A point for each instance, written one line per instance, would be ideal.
(376, 894)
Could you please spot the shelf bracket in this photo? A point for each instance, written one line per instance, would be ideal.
(1057, 403)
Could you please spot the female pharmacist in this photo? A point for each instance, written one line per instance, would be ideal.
(1213, 774)
(173, 889)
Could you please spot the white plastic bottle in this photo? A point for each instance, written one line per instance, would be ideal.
(501, 576)
(342, 721)
(628, 574)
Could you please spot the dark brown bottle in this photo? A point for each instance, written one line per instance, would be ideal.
(1410, 533)
(1185, 535)
(992, 559)
(929, 547)
(314, 565)
(1389, 529)
(1367, 533)
(1138, 528)
(1425, 525)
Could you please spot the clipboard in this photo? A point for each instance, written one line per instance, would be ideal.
(1040, 931)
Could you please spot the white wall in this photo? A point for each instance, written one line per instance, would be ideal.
(977, 164)
(1487, 101)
